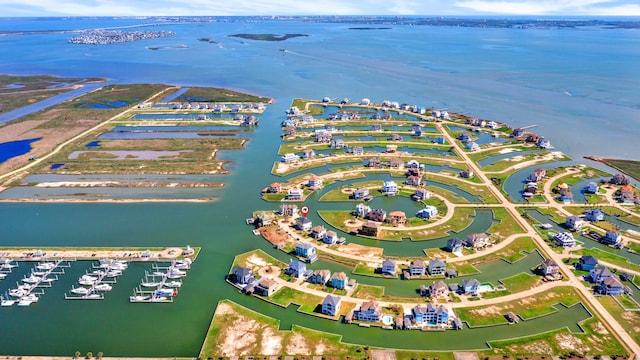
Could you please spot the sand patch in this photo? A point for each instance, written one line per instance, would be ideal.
(321, 348)
(490, 310)
(569, 342)
(239, 338)
(507, 150)
(297, 345)
(271, 344)
(255, 260)
(361, 250)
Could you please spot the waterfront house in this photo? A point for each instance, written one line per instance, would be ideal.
(440, 140)
(303, 224)
(369, 311)
(396, 163)
(564, 239)
(477, 240)
(288, 209)
(330, 237)
(319, 277)
(397, 218)
(305, 250)
(314, 182)
(436, 267)
(308, 119)
(537, 175)
(574, 222)
(413, 164)
(450, 273)
(390, 188)
(594, 215)
(357, 150)
(544, 143)
(370, 228)
(295, 194)
(417, 268)
(619, 179)
(339, 280)
(362, 210)
(360, 193)
(518, 132)
(492, 125)
(610, 286)
(532, 138)
(378, 215)
(438, 289)
(296, 268)
(587, 263)
(566, 195)
(472, 145)
(600, 273)
(611, 238)
(390, 148)
(464, 137)
(455, 245)
(290, 158)
(626, 194)
(317, 232)
(376, 127)
(470, 287)
(431, 315)
(414, 180)
(421, 194)
(331, 305)
(308, 154)
(592, 188)
(467, 174)
(275, 188)
(388, 267)
(293, 111)
(337, 144)
(241, 275)
(394, 137)
(266, 287)
(549, 267)
(365, 102)
(374, 163)
(428, 212)
(323, 137)
(416, 127)
(290, 130)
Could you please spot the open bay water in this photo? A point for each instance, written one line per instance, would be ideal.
(511, 75)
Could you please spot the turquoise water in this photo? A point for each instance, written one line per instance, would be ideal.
(513, 76)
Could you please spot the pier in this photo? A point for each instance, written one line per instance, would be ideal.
(160, 286)
(99, 280)
(6, 267)
(42, 275)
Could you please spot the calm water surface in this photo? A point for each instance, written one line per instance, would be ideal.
(520, 77)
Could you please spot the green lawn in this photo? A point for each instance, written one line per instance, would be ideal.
(517, 249)
(368, 292)
(609, 258)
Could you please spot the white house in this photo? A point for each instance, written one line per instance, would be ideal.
(290, 157)
(564, 239)
(390, 188)
(574, 222)
(428, 212)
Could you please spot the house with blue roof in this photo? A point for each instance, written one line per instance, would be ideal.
(296, 268)
(436, 267)
(611, 238)
(594, 215)
(587, 263)
(428, 212)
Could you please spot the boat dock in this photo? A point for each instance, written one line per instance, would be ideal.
(6, 267)
(99, 280)
(42, 275)
(161, 285)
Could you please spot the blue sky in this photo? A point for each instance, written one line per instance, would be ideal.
(317, 7)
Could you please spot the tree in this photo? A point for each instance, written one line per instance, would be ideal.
(100, 355)
(76, 355)
(89, 355)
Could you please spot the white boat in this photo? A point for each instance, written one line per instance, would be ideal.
(7, 302)
(103, 287)
(80, 291)
(39, 273)
(45, 266)
(173, 284)
(24, 303)
(17, 293)
(158, 273)
(2, 276)
(88, 277)
(138, 298)
(113, 273)
(176, 272)
(87, 282)
(32, 279)
(48, 280)
(159, 299)
(150, 284)
(96, 272)
(30, 297)
(93, 296)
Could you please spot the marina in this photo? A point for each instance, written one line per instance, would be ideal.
(43, 274)
(95, 283)
(161, 285)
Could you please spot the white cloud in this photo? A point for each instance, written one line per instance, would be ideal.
(551, 7)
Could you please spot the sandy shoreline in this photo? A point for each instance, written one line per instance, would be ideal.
(131, 254)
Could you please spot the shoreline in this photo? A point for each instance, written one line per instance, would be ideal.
(87, 253)
(608, 162)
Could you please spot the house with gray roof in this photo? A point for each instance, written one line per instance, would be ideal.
(331, 305)
(436, 267)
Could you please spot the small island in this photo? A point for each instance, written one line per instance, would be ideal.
(267, 37)
(105, 37)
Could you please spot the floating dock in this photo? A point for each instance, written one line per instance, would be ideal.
(161, 285)
(42, 276)
(99, 280)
